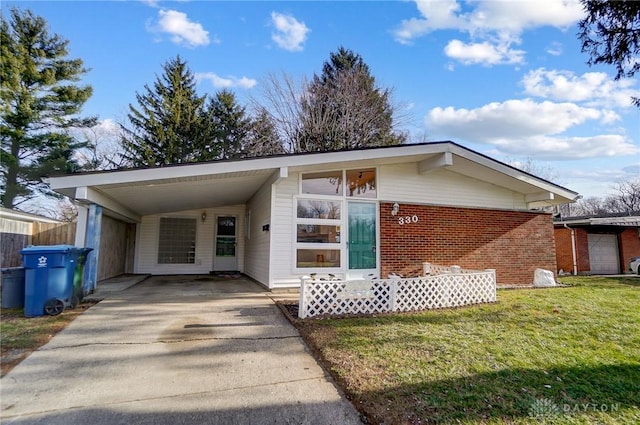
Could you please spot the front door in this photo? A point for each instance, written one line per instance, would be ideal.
(362, 252)
(225, 249)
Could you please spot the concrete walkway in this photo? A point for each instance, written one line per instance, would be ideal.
(175, 350)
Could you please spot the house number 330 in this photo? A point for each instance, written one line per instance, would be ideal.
(407, 220)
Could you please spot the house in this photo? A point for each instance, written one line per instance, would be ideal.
(599, 244)
(371, 211)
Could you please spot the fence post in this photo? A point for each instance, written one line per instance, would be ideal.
(494, 285)
(302, 303)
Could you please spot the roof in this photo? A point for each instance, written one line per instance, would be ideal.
(24, 216)
(627, 219)
(141, 191)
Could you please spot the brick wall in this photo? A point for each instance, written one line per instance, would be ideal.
(564, 255)
(513, 243)
(629, 245)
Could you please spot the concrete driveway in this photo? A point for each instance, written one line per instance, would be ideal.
(175, 350)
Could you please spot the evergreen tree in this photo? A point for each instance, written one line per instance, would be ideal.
(39, 105)
(610, 33)
(170, 124)
(344, 109)
(229, 125)
(262, 139)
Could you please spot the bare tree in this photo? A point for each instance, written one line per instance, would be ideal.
(281, 101)
(626, 197)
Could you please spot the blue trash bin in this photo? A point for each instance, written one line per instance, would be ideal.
(12, 287)
(49, 278)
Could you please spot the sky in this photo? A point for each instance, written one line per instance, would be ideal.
(504, 78)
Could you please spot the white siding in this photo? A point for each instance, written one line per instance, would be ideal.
(396, 183)
(402, 183)
(282, 255)
(257, 241)
(147, 241)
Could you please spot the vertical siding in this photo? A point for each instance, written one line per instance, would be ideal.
(403, 183)
(147, 241)
(258, 241)
(14, 235)
(113, 248)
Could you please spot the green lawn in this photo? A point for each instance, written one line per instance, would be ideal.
(559, 356)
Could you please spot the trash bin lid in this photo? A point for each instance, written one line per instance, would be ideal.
(47, 249)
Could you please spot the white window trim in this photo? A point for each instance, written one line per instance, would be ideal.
(342, 222)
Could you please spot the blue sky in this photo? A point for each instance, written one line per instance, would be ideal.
(505, 78)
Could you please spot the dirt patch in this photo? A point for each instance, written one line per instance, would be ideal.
(22, 335)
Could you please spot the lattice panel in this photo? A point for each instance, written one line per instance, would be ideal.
(339, 297)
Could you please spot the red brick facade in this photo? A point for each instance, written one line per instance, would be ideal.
(628, 246)
(513, 243)
(564, 254)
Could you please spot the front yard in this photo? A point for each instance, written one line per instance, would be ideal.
(562, 356)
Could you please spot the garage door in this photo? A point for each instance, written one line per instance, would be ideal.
(603, 254)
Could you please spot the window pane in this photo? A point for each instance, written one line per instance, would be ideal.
(177, 241)
(318, 233)
(319, 209)
(315, 258)
(226, 226)
(225, 247)
(325, 183)
(361, 183)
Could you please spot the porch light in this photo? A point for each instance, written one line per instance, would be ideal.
(203, 216)
(395, 209)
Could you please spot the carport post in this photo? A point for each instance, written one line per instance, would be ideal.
(94, 229)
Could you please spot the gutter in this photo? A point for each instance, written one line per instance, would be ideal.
(573, 249)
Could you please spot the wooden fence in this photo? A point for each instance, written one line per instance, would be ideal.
(15, 235)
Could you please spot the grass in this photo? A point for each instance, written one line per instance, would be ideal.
(19, 335)
(562, 356)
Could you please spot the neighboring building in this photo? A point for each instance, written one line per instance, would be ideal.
(601, 244)
(17, 230)
(355, 213)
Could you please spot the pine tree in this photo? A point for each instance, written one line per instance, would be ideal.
(39, 105)
(229, 124)
(170, 124)
(344, 109)
(262, 139)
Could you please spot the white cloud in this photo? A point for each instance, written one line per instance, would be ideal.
(525, 127)
(181, 29)
(483, 53)
(492, 25)
(555, 49)
(225, 83)
(595, 88)
(290, 33)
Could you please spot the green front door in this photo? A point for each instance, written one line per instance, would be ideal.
(362, 237)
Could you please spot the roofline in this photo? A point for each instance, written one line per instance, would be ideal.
(293, 160)
(25, 216)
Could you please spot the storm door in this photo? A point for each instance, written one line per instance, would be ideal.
(225, 249)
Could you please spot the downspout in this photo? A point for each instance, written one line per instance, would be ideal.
(573, 249)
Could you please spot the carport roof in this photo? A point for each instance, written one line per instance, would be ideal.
(132, 193)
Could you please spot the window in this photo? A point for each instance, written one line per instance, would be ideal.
(318, 224)
(325, 183)
(318, 258)
(361, 183)
(319, 209)
(318, 233)
(177, 241)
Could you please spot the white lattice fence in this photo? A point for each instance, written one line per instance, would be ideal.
(339, 297)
